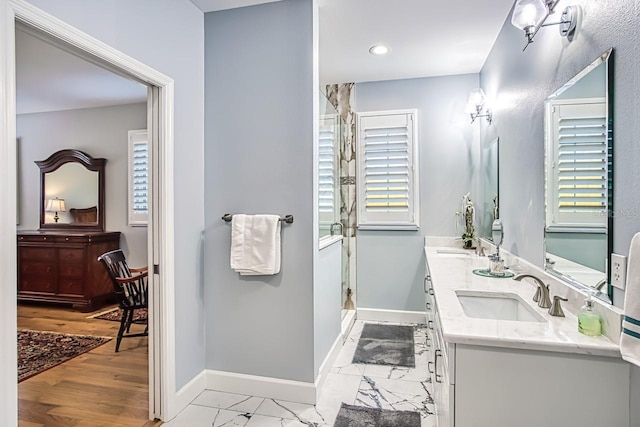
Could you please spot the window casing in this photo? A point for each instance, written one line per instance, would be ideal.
(577, 165)
(387, 159)
(138, 183)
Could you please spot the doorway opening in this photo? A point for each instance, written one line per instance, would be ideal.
(159, 244)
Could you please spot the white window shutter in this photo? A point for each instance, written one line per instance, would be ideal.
(387, 161)
(328, 170)
(138, 177)
(579, 189)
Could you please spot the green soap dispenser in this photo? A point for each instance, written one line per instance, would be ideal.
(588, 321)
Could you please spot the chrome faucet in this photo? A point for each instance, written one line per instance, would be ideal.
(542, 294)
(601, 284)
(556, 307)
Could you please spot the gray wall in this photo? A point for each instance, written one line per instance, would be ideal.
(100, 132)
(518, 82)
(589, 249)
(167, 35)
(327, 302)
(390, 264)
(259, 157)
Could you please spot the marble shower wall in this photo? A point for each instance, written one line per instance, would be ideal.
(342, 97)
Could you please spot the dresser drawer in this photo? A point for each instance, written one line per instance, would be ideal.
(38, 269)
(71, 255)
(37, 254)
(37, 283)
(70, 286)
(70, 271)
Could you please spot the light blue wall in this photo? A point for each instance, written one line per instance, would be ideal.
(390, 264)
(259, 156)
(589, 249)
(99, 132)
(518, 82)
(167, 35)
(327, 302)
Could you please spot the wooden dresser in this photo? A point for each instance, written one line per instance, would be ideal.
(62, 267)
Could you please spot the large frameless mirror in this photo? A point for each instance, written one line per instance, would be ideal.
(579, 178)
(490, 188)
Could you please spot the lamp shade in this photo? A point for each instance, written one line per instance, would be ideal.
(476, 100)
(528, 14)
(56, 205)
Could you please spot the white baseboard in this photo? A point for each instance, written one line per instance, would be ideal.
(398, 316)
(325, 368)
(253, 385)
(347, 323)
(188, 392)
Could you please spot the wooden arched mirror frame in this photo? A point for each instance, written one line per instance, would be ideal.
(72, 191)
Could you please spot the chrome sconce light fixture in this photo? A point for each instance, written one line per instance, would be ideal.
(475, 106)
(531, 15)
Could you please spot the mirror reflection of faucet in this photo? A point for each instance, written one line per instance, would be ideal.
(331, 229)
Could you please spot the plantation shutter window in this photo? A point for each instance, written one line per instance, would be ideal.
(138, 177)
(387, 170)
(580, 164)
(328, 171)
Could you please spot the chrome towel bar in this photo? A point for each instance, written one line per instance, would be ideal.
(288, 218)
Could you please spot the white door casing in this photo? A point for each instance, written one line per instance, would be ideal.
(162, 390)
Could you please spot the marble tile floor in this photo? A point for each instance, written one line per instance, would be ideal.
(376, 386)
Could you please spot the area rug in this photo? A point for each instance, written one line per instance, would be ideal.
(39, 350)
(360, 416)
(115, 314)
(386, 345)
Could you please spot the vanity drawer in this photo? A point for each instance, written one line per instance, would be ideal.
(37, 254)
(70, 286)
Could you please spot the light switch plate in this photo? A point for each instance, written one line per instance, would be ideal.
(618, 271)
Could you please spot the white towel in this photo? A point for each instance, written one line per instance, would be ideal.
(630, 339)
(255, 244)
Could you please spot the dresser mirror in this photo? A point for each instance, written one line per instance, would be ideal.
(71, 191)
(489, 208)
(579, 179)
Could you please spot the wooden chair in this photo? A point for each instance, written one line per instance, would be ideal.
(130, 286)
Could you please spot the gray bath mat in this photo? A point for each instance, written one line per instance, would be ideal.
(359, 416)
(386, 345)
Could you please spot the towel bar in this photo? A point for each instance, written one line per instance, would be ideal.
(288, 218)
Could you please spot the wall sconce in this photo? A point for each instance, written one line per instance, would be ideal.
(56, 205)
(476, 104)
(531, 15)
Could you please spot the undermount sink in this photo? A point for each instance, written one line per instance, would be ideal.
(454, 252)
(497, 306)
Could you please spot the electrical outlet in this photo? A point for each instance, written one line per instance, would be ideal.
(618, 271)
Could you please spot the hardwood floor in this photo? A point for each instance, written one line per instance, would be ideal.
(98, 388)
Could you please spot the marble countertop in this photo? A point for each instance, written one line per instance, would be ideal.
(451, 272)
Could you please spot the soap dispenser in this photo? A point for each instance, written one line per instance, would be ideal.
(588, 321)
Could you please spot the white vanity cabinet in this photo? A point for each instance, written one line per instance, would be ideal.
(481, 378)
(442, 368)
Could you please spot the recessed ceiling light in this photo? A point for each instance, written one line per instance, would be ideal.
(379, 49)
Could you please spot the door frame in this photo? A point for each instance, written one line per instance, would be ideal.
(162, 378)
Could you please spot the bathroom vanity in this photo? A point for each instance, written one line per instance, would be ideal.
(499, 360)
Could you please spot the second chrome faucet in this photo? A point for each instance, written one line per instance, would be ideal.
(542, 294)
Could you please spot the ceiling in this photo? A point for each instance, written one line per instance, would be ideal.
(51, 79)
(427, 38)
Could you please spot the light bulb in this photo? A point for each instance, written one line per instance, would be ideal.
(379, 50)
(528, 14)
